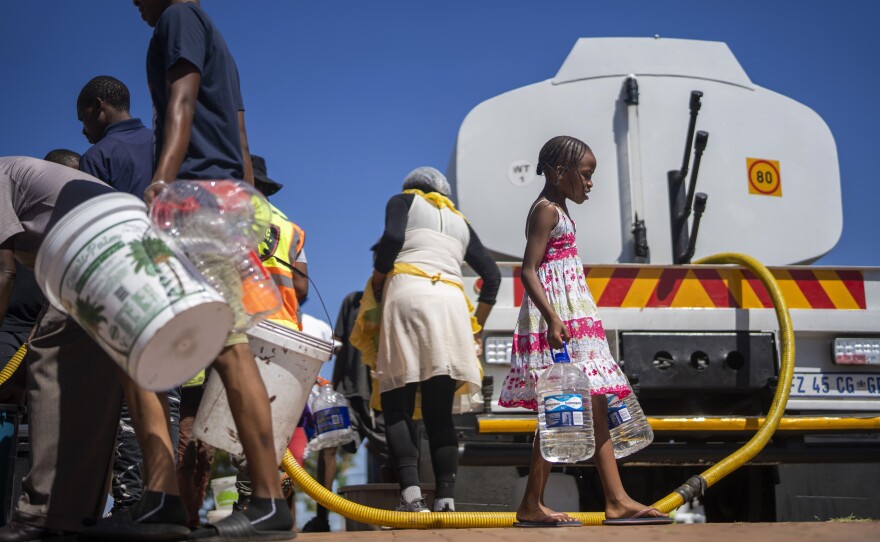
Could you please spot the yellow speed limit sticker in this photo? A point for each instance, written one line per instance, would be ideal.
(764, 177)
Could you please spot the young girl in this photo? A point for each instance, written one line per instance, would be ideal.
(557, 307)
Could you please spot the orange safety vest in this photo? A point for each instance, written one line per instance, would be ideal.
(278, 251)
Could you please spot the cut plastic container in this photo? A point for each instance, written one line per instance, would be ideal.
(224, 492)
(142, 302)
(289, 362)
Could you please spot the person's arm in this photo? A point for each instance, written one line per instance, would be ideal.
(300, 280)
(543, 220)
(396, 214)
(182, 81)
(246, 151)
(7, 276)
(300, 268)
(480, 261)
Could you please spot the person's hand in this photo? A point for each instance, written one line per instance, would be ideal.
(557, 333)
(153, 190)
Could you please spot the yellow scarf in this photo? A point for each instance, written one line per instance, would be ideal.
(436, 199)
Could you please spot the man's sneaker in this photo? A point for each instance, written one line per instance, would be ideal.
(446, 508)
(316, 525)
(417, 505)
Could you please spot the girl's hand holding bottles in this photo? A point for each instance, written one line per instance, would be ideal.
(557, 333)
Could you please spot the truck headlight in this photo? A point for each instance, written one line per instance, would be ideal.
(857, 351)
(497, 350)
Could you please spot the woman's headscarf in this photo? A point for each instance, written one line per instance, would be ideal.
(427, 179)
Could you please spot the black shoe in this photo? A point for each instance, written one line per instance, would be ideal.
(417, 505)
(316, 525)
(15, 531)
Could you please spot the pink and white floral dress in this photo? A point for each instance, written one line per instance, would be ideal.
(562, 274)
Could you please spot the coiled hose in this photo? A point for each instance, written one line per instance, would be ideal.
(694, 487)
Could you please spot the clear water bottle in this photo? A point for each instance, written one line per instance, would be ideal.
(630, 431)
(332, 421)
(217, 225)
(565, 413)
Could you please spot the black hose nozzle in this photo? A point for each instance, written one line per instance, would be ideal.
(695, 105)
(699, 207)
(631, 91)
(699, 147)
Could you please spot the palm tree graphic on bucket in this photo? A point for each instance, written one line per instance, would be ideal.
(148, 254)
(89, 313)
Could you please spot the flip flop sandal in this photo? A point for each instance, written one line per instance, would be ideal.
(543, 524)
(237, 526)
(639, 518)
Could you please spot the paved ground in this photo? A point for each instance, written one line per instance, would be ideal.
(714, 532)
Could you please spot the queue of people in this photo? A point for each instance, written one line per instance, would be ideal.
(420, 358)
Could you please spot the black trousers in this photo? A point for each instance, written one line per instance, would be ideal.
(398, 406)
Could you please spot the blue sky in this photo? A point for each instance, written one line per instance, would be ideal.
(345, 97)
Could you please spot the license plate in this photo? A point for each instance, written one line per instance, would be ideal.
(835, 385)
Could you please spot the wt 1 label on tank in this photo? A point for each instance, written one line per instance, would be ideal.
(565, 410)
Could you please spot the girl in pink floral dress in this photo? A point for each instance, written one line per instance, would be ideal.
(557, 307)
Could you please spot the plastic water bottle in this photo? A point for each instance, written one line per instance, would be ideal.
(565, 413)
(630, 431)
(332, 421)
(218, 225)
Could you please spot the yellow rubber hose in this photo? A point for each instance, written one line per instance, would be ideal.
(406, 520)
(693, 487)
(13, 364)
(697, 485)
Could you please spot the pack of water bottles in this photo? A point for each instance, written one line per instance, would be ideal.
(565, 416)
(332, 419)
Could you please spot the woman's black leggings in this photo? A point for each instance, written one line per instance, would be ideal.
(400, 430)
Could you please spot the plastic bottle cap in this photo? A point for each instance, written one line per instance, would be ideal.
(561, 357)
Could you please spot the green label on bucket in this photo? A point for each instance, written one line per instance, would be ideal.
(226, 497)
(97, 262)
(120, 280)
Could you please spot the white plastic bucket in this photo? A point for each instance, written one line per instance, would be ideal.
(224, 492)
(289, 363)
(148, 307)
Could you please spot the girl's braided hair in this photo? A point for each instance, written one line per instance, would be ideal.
(565, 151)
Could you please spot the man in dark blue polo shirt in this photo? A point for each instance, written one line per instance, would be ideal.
(122, 147)
(122, 156)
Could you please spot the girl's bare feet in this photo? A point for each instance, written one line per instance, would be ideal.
(629, 508)
(542, 515)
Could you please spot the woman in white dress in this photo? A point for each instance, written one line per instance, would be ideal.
(429, 329)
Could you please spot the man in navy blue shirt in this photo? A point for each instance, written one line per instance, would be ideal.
(200, 135)
(122, 156)
(122, 147)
